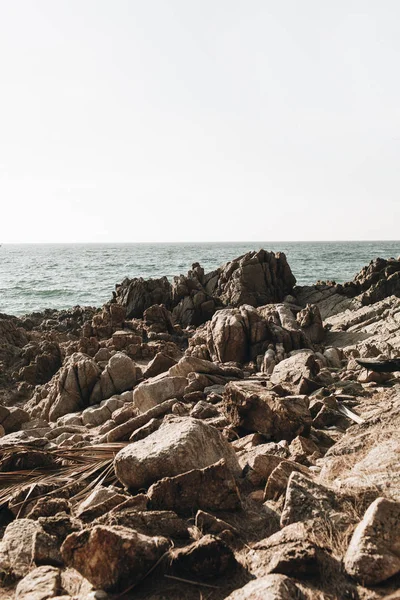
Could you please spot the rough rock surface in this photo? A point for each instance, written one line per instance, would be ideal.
(254, 408)
(112, 558)
(212, 488)
(373, 554)
(178, 446)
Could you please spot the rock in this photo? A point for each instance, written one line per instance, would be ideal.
(278, 479)
(209, 524)
(158, 389)
(26, 543)
(259, 462)
(69, 390)
(302, 448)
(208, 557)
(15, 418)
(40, 584)
(123, 339)
(212, 488)
(249, 405)
(291, 551)
(158, 319)
(204, 410)
(290, 370)
(120, 374)
(136, 295)
(178, 446)
(48, 507)
(227, 340)
(380, 279)
(128, 427)
(101, 500)
(191, 364)
(112, 558)
(256, 278)
(373, 554)
(163, 523)
(270, 587)
(160, 364)
(365, 459)
(306, 500)
(310, 321)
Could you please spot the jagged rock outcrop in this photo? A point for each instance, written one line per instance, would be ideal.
(255, 278)
(378, 280)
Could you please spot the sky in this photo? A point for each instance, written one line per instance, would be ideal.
(219, 120)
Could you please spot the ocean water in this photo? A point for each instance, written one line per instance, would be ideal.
(38, 276)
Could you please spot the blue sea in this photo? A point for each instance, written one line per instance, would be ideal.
(38, 276)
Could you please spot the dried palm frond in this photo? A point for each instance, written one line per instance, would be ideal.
(78, 469)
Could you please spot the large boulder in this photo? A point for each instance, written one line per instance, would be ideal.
(373, 554)
(177, 446)
(249, 405)
(112, 558)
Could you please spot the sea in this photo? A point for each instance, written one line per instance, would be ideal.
(34, 277)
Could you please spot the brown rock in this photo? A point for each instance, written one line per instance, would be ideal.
(270, 587)
(163, 523)
(249, 405)
(160, 364)
(208, 557)
(112, 558)
(373, 554)
(212, 488)
(279, 478)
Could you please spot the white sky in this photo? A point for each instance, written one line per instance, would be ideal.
(211, 120)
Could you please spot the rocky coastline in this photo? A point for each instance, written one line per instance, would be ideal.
(213, 437)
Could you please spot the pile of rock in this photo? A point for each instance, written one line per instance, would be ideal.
(247, 450)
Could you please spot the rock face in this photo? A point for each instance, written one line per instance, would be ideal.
(255, 278)
(178, 446)
(366, 458)
(112, 558)
(373, 554)
(249, 405)
(380, 279)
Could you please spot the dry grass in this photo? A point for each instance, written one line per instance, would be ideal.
(82, 468)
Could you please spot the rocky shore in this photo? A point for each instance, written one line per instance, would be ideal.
(213, 438)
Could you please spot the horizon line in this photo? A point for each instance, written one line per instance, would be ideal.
(194, 242)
